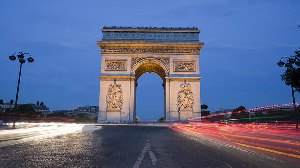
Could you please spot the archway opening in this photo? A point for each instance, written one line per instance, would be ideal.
(150, 93)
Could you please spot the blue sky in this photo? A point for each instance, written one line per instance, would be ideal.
(243, 41)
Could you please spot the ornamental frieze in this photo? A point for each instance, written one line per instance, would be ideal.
(115, 65)
(114, 97)
(149, 49)
(185, 98)
(186, 66)
(163, 60)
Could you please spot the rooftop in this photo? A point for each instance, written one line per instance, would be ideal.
(151, 28)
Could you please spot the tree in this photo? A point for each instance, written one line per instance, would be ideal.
(205, 113)
(11, 101)
(241, 108)
(37, 103)
(8, 110)
(1, 101)
(26, 109)
(291, 76)
(204, 106)
(239, 113)
(42, 103)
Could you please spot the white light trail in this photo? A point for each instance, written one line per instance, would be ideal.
(35, 131)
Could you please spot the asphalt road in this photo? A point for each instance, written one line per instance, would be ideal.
(131, 146)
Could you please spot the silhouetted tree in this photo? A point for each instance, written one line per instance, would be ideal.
(37, 103)
(59, 114)
(241, 108)
(42, 103)
(205, 113)
(8, 110)
(1, 101)
(204, 106)
(11, 101)
(26, 109)
(291, 76)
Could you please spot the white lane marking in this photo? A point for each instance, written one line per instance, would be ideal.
(146, 149)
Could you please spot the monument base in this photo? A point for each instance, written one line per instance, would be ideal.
(184, 115)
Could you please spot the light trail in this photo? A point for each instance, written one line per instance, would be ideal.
(35, 131)
(282, 140)
(270, 150)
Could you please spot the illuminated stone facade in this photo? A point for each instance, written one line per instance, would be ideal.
(171, 53)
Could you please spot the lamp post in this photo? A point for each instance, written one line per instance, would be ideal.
(22, 60)
(288, 63)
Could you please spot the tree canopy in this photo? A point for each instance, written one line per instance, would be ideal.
(25, 109)
(241, 108)
(204, 106)
(291, 76)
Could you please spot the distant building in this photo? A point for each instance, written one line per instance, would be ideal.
(66, 112)
(223, 111)
(5, 106)
(89, 111)
(41, 108)
(38, 108)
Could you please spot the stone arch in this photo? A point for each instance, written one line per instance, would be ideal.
(150, 67)
(151, 61)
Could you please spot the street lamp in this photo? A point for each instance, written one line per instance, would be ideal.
(288, 63)
(22, 60)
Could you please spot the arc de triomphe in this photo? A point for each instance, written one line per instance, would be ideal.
(127, 53)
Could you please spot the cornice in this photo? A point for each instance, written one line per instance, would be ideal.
(149, 30)
(150, 43)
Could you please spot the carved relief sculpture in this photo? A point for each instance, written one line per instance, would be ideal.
(114, 97)
(184, 66)
(185, 98)
(163, 60)
(115, 66)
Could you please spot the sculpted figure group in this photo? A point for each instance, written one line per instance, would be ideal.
(185, 98)
(114, 97)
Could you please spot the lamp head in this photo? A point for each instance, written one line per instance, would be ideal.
(30, 59)
(12, 57)
(20, 55)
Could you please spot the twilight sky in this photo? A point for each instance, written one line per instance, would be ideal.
(243, 41)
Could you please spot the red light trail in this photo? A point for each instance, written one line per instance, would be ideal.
(278, 140)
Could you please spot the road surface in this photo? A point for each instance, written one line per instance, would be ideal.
(131, 146)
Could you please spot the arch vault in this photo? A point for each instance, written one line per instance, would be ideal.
(127, 53)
